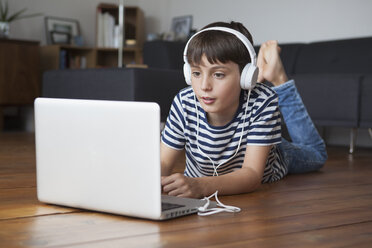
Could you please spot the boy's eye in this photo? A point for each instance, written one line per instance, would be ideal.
(195, 73)
(219, 75)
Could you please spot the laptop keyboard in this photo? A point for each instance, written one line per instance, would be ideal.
(168, 206)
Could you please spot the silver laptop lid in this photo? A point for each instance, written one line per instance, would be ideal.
(99, 155)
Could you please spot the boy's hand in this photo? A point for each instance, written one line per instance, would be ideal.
(180, 185)
(270, 65)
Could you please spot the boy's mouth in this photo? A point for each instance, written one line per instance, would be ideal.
(208, 100)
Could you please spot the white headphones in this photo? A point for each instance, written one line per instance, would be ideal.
(248, 77)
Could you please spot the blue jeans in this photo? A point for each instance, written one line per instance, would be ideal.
(306, 152)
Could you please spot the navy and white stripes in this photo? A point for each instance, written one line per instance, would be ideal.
(261, 127)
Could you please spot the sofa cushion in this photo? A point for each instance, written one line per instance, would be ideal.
(340, 56)
(331, 99)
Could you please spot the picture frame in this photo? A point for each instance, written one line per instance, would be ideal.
(56, 29)
(181, 27)
(60, 38)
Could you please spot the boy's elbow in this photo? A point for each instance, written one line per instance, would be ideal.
(253, 180)
(255, 186)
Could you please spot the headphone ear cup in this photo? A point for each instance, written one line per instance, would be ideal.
(187, 73)
(248, 78)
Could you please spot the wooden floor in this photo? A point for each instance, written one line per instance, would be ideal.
(330, 208)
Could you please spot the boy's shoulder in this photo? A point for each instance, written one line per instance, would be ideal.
(263, 91)
(186, 91)
(185, 94)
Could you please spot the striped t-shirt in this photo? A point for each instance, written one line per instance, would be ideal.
(262, 126)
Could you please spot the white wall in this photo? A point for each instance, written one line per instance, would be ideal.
(283, 20)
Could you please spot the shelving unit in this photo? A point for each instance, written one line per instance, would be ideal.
(133, 23)
(19, 73)
(74, 57)
(52, 57)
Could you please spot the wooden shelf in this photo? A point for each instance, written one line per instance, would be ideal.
(52, 57)
(72, 57)
(108, 57)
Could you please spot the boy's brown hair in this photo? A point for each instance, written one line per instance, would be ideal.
(219, 46)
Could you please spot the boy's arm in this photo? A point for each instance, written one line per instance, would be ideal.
(168, 158)
(244, 180)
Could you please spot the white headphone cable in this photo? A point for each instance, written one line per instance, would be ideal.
(241, 136)
(204, 210)
(215, 173)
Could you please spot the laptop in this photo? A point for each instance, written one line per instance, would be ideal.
(103, 156)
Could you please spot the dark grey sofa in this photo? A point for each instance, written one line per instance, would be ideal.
(129, 84)
(345, 67)
(333, 77)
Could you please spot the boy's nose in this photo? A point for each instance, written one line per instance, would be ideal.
(206, 84)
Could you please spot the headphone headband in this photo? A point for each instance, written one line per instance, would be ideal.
(249, 74)
(239, 35)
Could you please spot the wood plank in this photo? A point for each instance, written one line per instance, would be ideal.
(96, 230)
(17, 180)
(357, 235)
(275, 217)
(334, 174)
(280, 233)
(22, 202)
(25, 198)
(65, 229)
(330, 208)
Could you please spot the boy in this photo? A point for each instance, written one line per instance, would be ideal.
(231, 136)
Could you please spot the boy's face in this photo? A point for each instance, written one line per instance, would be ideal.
(218, 89)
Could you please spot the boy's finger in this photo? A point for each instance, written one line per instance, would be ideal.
(169, 179)
(169, 187)
(165, 180)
